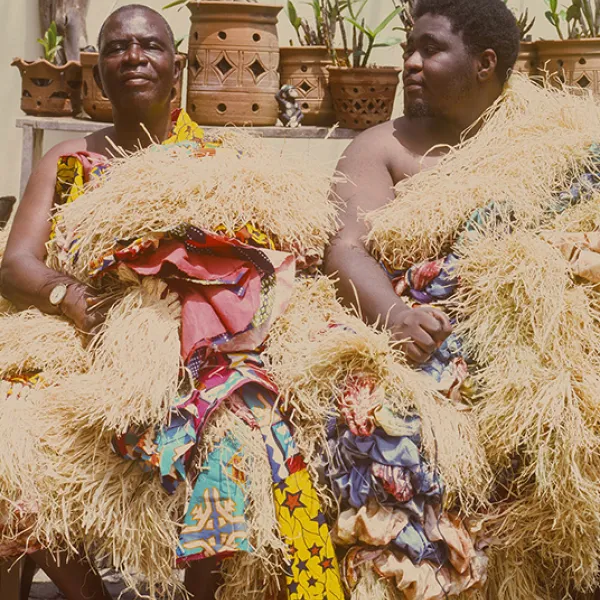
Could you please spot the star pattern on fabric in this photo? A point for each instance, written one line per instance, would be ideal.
(293, 501)
(315, 550)
(320, 519)
(327, 563)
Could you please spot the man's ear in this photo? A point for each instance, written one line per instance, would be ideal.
(177, 68)
(487, 65)
(98, 80)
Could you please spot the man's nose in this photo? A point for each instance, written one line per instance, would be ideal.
(413, 63)
(134, 54)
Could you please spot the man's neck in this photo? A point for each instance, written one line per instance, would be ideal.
(133, 132)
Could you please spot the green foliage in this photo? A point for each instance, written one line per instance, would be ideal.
(581, 18)
(174, 3)
(51, 42)
(363, 35)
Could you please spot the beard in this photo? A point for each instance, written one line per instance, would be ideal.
(419, 109)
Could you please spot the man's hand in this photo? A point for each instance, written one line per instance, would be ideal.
(86, 310)
(422, 330)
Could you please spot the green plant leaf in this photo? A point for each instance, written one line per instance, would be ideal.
(551, 17)
(573, 13)
(553, 5)
(393, 41)
(293, 15)
(368, 32)
(387, 21)
(174, 3)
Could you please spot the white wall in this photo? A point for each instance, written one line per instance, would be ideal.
(20, 30)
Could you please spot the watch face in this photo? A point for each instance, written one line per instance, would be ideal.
(57, 295)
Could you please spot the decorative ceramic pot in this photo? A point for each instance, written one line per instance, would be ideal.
(305, 67)
(363, 97)
(49, 90)
(574, 62)
(527, 60)
(233, 62)
(96, 104)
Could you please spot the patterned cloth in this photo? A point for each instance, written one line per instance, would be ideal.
(232, 285)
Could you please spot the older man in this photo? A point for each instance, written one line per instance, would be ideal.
(138, 70)
(457, 60)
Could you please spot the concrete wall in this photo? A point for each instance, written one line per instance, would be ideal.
(20, 31)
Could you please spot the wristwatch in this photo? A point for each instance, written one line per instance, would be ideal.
(58, 294)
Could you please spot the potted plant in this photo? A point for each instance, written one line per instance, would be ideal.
(363, 94)
(233, 62)
(47, 88)
(527, 59)
(573, 59)
(96, 104)
(305, 66)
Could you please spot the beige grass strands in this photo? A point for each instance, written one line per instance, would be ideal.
(311, 362)
(96, 501)
(33, 341)
(536, 335)
(285, 195)
(531, 142)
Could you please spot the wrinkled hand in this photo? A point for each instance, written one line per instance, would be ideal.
(422, 330)
(85, 309)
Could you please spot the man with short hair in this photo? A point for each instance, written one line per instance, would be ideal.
(138, 70)
(457, 60)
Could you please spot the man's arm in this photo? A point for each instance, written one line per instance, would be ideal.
(362, 281)
(25, 279)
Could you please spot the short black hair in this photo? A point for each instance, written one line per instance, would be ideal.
(132, 7)
(483, 24)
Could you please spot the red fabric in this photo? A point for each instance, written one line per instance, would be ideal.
(225, 304)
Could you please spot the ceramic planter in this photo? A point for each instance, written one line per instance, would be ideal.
(233, 63)
(363, 97)
(49, 90)
(527, 60)
(95, 103)
(305, 67)
(574, 62)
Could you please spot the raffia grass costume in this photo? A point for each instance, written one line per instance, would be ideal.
(526, 311)
(61, 483)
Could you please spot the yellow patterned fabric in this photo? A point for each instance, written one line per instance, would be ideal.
(314, 573)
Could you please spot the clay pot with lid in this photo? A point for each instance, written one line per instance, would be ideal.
(233, 63)
(96, 104)
(363, 97)
(49, 90)
(305, 67)
(573, 62)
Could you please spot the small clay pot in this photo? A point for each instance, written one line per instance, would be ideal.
(527, 60)
(305, 67)
(96, 104)
(49, 90)
(573, 62)
(363, 97)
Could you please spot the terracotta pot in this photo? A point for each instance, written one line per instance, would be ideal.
(574, 62)
(363, 97)
(95, 103)
(49, 90)
(305, 67)
(527, 60)
(233, 62)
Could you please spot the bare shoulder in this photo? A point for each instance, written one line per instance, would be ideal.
(384, 146)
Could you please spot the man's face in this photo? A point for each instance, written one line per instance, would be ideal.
(439, 72)
(137, 65)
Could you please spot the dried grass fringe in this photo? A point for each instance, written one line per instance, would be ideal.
(248, 181)
(258, 575)
(531, 141)
(311, 362)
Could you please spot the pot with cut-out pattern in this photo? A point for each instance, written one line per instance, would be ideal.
(233, 63)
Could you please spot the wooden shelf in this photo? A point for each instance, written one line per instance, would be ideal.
(87, 126)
